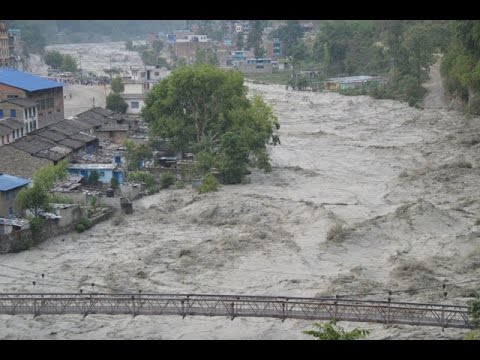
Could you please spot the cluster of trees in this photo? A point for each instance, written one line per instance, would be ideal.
(114, 100)
(62, 62)
(203, 56)
(461, 64)
(402, 50)
(204, 110)
(254, 38)
(150, 53)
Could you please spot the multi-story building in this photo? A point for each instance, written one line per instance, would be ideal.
(47, 94)
(6, 57)
(21, 109)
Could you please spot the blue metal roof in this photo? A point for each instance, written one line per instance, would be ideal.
(9, 182)
(26, 81)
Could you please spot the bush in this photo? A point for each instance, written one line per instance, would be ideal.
(335, 230)
(114, 183)
(36, 225)
(83, 225)
(57, 199)
(142, 176)
(180, 185)
(473, 107)
(93, 177)
(210, 183)
(166, 180)
(24, 243)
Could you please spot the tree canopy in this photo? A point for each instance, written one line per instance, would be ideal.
(69, 63)
(461, 64)
(117, 85)
(36, 198)
(53, 59)
(204, 110)
(116, 103)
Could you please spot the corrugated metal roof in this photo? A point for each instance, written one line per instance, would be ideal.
(83, 137)
(12, 123)
(351, 79)
(9, 182)
(33, 144)
(51, 135)
(73, 144)
(91, 166)
(26, 81)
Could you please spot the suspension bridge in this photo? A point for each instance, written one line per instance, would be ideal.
(385, 312)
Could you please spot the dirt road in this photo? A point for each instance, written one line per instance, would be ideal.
(80, 98)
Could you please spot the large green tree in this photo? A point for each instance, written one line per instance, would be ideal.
(36, 198)
(53, 59)
(116, 103)
(240, 42)
(205, 110)
(461, 64)
(69, 63)
(117, 85)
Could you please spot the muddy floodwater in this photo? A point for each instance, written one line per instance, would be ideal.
(365, 196)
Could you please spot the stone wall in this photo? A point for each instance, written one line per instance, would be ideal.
(51, 228)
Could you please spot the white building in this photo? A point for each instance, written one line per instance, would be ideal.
(134, 96)
(18, 117)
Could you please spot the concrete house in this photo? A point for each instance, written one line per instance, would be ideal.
(9, 188)
(47, 94)
(134, 96)
(12, 130)
(106, 171)
(23, 110)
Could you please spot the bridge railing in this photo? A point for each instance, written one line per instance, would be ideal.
(385, 312)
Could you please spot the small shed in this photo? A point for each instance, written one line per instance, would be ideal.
(351, 82)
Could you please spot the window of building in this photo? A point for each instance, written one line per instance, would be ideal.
(13, 113)
(135, 105)
(157, 73)
(58, 110)
(18, 133)
(1, 113)
(30, 112)
(49, 113)
(21, 132)
(13, 133)
(34, 112)
(102, 173)
(25, 112)
(12, 96)
(3, 140)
